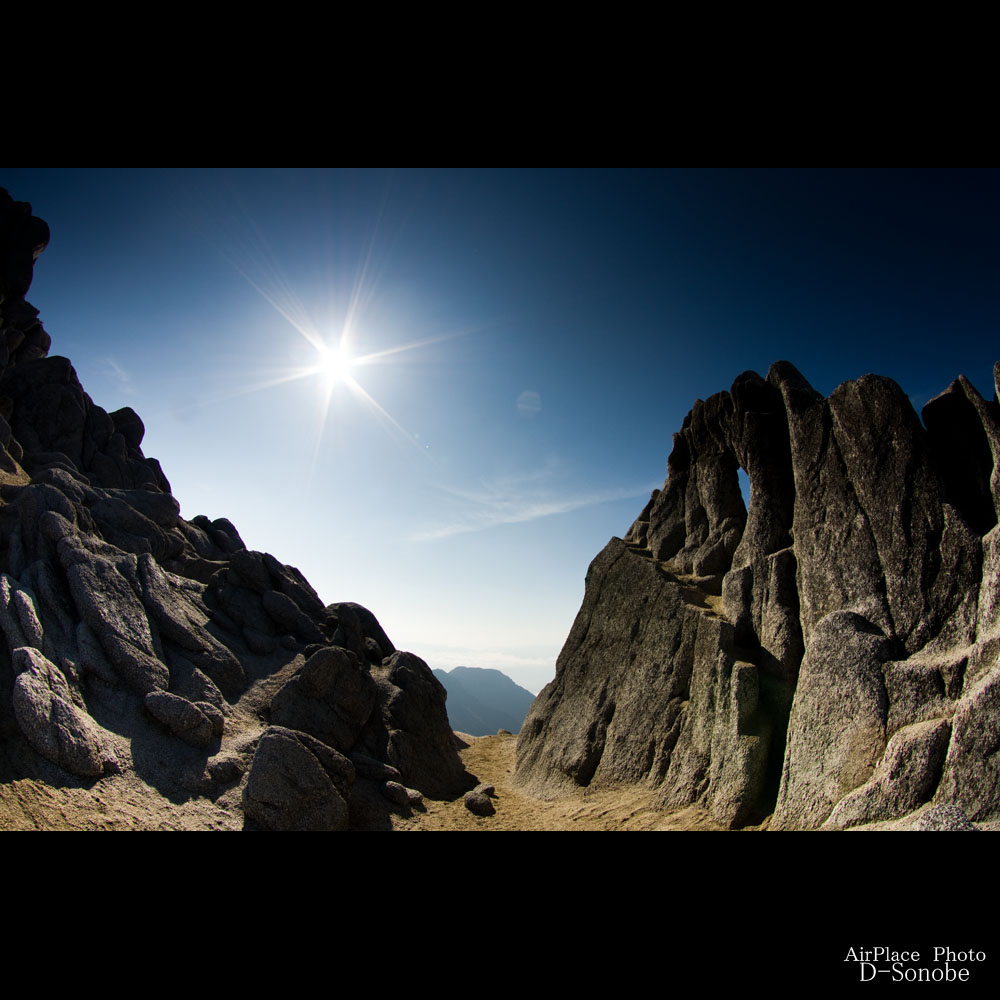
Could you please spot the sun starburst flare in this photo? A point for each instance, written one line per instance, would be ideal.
(335, 359)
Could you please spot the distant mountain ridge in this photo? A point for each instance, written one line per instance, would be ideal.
(482, 700)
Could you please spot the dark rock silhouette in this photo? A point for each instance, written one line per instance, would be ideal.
(482, 701)
(137, 641)
(828, 656)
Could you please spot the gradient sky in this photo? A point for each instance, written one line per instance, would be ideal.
(557, 326)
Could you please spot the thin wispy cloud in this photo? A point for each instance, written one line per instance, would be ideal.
(113, 370)
(529, 403)
(516, 501)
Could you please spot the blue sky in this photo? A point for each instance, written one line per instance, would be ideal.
(534, 339)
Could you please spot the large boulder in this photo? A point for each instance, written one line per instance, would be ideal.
(297, 783)
(52, 723)
(331, 697)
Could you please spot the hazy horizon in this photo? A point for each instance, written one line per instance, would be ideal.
(525, 342)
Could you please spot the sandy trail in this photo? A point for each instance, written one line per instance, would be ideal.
(491, 759)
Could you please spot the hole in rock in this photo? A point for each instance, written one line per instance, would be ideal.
(744, 481)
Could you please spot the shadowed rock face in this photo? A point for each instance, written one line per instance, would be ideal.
(133, 639)
(830, 654)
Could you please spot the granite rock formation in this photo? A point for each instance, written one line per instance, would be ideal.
(827, 657)
(135, 642)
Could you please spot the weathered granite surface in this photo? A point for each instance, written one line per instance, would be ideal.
(827, 657)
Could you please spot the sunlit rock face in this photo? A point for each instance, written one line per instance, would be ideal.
(139, 643)
(827, 657)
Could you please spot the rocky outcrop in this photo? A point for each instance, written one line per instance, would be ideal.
(826, 655)
(135, 641)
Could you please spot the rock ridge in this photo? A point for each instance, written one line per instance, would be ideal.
(138, 643)
(827, 655)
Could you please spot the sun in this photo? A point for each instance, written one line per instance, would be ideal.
(334, 365)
